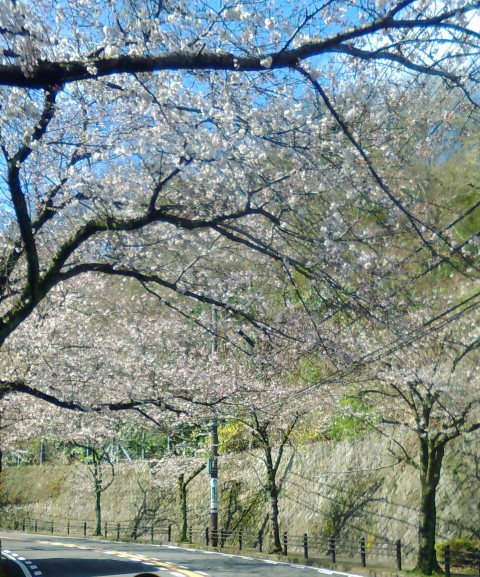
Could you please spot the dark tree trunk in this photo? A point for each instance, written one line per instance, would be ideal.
(430, 470)
(273, 492)
(277, 543)
(182, 508)
(98, 512)
(182, 491)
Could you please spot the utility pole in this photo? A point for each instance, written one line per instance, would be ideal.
(213, 461)
(213, 470)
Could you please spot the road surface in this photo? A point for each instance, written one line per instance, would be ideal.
(50, 556)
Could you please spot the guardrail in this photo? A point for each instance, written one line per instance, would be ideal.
(324, 548)
(329, 548)
(460, 558)
(119, 529)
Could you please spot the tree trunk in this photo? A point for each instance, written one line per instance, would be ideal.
(98, 512)
(182, 508)
(277, 543)
(430, 470)
(273, 491)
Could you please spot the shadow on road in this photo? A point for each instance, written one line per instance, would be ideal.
(9, 569)
(87, 567)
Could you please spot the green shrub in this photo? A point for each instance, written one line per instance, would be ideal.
(351, 420)
(233, 437)
(463, 552)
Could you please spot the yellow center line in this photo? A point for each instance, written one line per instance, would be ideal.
(164, 564)
(124, 554)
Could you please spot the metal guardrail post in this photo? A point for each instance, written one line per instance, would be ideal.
(363, 552)
(332, 549)
(223, 535)
(398, 547)
(447, 555)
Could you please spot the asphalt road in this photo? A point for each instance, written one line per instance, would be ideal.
(49, 556)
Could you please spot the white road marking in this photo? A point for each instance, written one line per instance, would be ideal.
(244, 557)
(24, 569)
(22, 562)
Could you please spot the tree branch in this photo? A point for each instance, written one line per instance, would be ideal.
(18, 197)
(45, 73)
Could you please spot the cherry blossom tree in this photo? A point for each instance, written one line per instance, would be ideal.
(101, 470)
(272, 400)
(272, 433)
(92, 435)
(183, 470)
(183, 481)
(431, 390)
(202, 151)
(255, 157)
